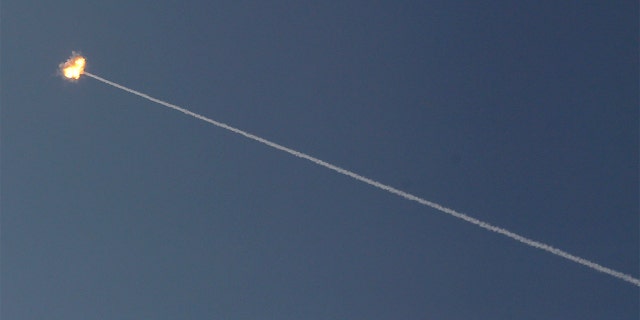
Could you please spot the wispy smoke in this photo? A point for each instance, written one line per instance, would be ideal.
(408, 196)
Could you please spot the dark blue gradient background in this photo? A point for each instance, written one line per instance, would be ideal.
(523, 114)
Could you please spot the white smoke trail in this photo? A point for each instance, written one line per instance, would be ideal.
(408, 196)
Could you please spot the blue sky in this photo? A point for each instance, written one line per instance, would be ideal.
(524, 115)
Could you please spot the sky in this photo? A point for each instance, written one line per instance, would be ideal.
(521, 114)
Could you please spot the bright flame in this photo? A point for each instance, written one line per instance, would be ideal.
(73, 67)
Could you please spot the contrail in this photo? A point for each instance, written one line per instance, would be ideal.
(408, 196)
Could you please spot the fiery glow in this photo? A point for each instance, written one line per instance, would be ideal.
(73, 68)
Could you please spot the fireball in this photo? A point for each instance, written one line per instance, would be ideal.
(73, 68)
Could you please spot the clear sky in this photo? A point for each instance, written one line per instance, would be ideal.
(523, 114)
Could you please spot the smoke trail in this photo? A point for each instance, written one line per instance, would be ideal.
(408, 196)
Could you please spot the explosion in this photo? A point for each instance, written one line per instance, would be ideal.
(73, 67)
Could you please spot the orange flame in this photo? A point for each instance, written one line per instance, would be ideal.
(73, 68)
